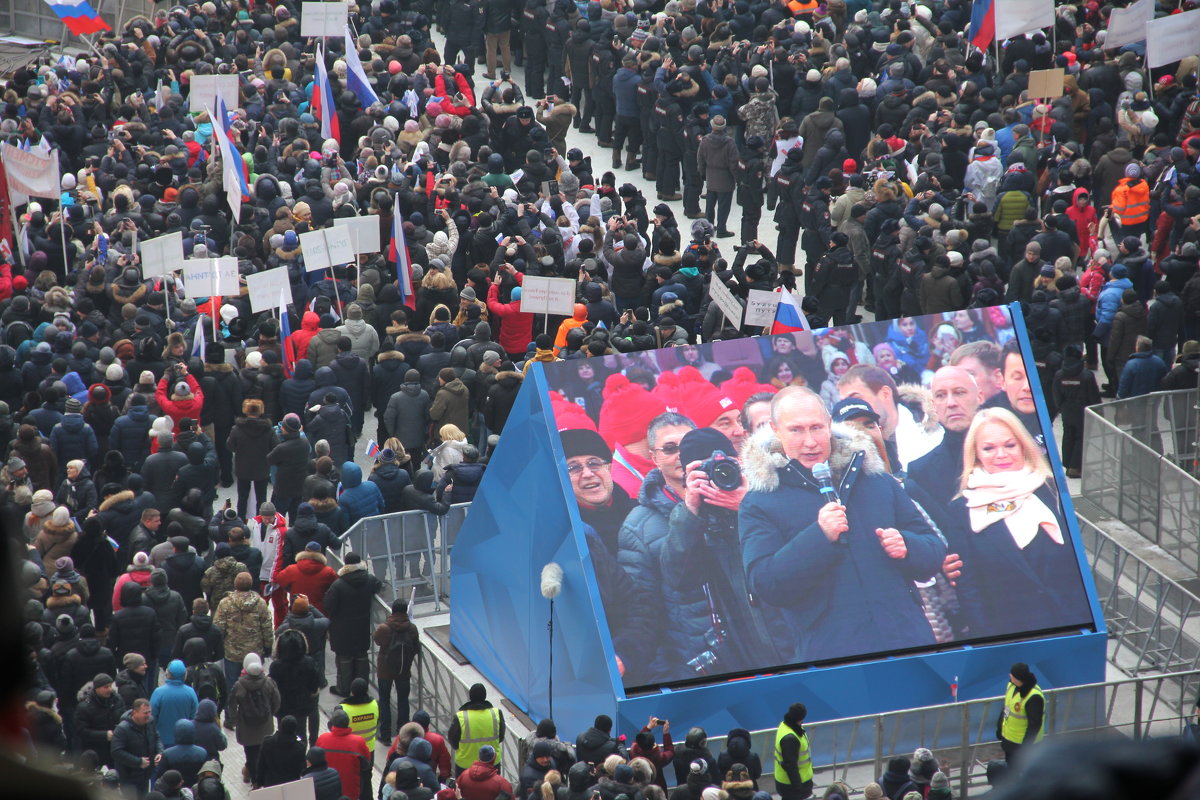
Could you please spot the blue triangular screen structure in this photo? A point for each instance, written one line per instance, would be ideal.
(524, 517)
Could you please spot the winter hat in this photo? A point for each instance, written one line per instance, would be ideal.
(252, 664)
(102, 679)
(65, 565)
(568, 415)
(43, 503)
(1133, 171)
(176, 670)
(743, 385)
(291, 422)
(873, 791)
(487, 754)
(114, 373)
(1119, 271)
(133, 661)
(711, 793)
(1021, 672)
(627, 411)
(146, 377)
(623, 774)
(73, 406)
(702, 402)
(939, 781)
(338, 719)
(718, 123)
(140, 559)
(300, 607)
(60, 517)
(182, 389)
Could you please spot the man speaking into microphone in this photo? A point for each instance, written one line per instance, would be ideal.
(834, 570)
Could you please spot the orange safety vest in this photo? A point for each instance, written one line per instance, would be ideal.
(1131, 201)
(798, 7)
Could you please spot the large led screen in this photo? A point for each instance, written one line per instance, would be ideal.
(822, 497)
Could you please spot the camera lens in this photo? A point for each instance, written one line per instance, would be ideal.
(725, 474)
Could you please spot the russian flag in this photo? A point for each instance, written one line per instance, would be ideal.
(372, 448)
(356, 76)
(225, 120)
(198, 344)
(983, 23)
(79, 17)
(788, 316)
(323, 107)
(285, 333)
(398, 252)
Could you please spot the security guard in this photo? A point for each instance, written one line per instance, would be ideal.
(363, 711)
(814, 219)
(793, 757)
(534, 19)
(476, 723)
(1021, 721)
(750, 174)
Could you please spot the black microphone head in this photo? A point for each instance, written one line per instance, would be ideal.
(821, 471)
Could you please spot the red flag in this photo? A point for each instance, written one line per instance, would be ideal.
(7, 243)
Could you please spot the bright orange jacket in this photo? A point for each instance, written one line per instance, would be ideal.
(1131, 201)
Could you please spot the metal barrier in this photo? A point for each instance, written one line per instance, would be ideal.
(962, 735)
(1140, 466)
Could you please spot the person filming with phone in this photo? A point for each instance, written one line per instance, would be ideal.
(831, 542)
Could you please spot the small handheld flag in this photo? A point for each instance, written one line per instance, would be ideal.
(322, 100)
(372, 448)
(398, 252)
(285, 334)
(788, 316)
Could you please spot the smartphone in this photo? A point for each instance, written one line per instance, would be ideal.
(553, 187)
(660, 722)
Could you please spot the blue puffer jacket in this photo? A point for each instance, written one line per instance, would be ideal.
(185, 755)
(171, 702)
(1109, 303)
(295, 390)
(73, 438)
(391, 481)
(358, 499)
(130, 436)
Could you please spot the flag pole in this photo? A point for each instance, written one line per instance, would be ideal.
(62, 231)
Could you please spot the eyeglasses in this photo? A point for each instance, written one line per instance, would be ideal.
(592, 465)
(669, 449)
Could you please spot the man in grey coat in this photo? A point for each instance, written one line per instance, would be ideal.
(407, 415)
(717, 158)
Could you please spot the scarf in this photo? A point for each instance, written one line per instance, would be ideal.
(1009, 497)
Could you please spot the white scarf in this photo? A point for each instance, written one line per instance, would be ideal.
(1009, 497)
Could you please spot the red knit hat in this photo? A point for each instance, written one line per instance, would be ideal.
(569, 416)
(703, 401)
(668, 392)
(743, 385)
(627, 411)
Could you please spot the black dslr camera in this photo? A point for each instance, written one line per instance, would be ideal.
(722, 470)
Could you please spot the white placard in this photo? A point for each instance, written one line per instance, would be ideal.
(162, 255)
(206, 88)
(339, 245)
(1018, 17)
(760, 307)
(1173, 38)
(547, 295)
(323, 19)
(265, 287)
(303, 789)
(1128, 25)
(205, 277)
(725, 301)
(316, 254)
(364, 232)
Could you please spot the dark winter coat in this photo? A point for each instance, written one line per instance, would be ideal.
(130, 744)
(348, 603)
(134, 629)
(332, 424)
(391, 481)
(452, 406)
(251, 441)
(94, 718)
(289, 457)
(296, 674)
(281, 759)
(200, 626)
(407, 414)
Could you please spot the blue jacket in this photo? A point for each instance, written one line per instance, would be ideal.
(73, 438)
(130, 436)
(171, 702)
(358, 499)
(391, 481)
(625, 83)
(185, 755)
(420, 753)
(825, 599)
(1143, 374)
(1109, 301)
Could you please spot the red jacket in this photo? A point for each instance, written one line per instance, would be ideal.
(463, 87)
(658, 756)
(184, 407)
(516, 328)
(309, 576)
(348, 754)
(482, 781)
(310, 326)
(441, 753)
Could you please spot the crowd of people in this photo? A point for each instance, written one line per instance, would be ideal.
(920, 182)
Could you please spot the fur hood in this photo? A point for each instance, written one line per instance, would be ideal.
(762, 456)
(308, 555)
(664, 260)
(63, 601)
(321, 505)
(348, 568)
(213, 369)
(667, 308)
(390, 355)
(919, 401)
(119, 497)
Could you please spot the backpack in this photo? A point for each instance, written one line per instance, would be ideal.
(254, 706)
(202, 679)
(397, 658)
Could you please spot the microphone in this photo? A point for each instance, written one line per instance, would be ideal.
(552, 580)
(824, 478)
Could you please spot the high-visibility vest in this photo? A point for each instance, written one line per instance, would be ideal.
(364, 719)
(1016, 722)
(479, 727)
(803, 761)
(802, 6)
(1131, 201)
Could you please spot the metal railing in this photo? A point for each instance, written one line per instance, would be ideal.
(962, 735)
(1140, 466)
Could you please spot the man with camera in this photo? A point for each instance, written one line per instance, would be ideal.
(832, 559)
(714, 624)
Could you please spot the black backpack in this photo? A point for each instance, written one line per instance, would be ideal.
(202, 679)
(397, 657)
(254, 705)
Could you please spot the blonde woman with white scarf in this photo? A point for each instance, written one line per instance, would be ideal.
(1019, 567)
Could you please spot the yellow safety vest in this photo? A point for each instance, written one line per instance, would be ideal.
(479, 727)
(1016, 722)
(803, 762)
(364, 719)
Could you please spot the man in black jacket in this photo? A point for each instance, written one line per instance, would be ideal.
(464, 30)
(348, 604)
(597, 742)
(136, 748)
(97, 717)
(200, 627)
(327, 783)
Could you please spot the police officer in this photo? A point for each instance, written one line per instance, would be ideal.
(666, 124)
(464, 32)
(695, 128)
(646, 97)
(1024, 711)
(557, 31)
(604, 68)
(834, 274)
(789, 189)
(580, 49)
(534, 19)
(885, 259)
(751, 171)
(814, 218)
(793, 757)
